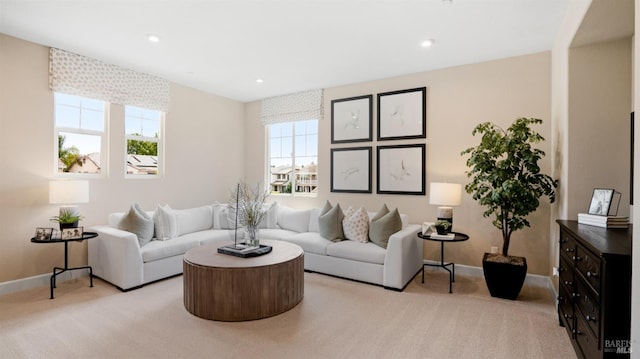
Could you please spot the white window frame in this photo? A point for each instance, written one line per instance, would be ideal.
(159, 140)
(268, 175)
(104, 139)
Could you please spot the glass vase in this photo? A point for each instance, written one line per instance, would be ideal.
(253, 236)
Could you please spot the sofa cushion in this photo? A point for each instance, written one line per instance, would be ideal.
(276, 233)
(313, 220)
(310, 242)
(270, 218)
(156, 250)
(293, 219)
(194, 219)
(218, 235)
(138, 222)
(383, 227)
(356, 224)
(165, 223)
(330, 224)
(223, 216)
(362, 252)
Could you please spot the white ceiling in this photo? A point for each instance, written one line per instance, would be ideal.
(222, 47)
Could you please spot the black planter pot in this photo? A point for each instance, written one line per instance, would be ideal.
(504, 280)
(69, 225)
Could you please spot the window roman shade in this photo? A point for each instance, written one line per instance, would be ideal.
(75, 74)
(305, 105)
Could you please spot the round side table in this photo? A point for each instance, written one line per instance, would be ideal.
(458, 237)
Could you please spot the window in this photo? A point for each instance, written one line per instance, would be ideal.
(293, 157)
(80, 132)
(142, 132)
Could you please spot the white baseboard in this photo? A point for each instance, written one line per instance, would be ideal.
(535, 280)
(38, 281)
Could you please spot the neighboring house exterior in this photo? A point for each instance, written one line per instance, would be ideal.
(306, 179)
(136, 165)
(142, 165)
(90, 164)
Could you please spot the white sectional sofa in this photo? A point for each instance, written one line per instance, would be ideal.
(118, 257)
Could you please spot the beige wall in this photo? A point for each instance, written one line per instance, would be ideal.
(204, 146)
(599, 108)
(457, 99)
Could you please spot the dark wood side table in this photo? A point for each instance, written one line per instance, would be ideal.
(58, 270)
(458, 237)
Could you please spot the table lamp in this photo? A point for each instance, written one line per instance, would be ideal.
(68, 193)
(445, 195)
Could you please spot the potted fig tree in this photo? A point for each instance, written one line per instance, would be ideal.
(506, 180)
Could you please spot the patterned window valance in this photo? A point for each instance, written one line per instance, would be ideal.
(305, 105)
(78, 75)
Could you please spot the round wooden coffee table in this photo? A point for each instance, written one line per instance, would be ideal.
(227, 288)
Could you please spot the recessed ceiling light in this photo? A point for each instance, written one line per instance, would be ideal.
(153, 38)
(428, 43)
(259, 81)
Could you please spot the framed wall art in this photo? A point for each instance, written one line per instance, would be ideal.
(402, 114)
(351, 170)
(351, 119)
(401, 169)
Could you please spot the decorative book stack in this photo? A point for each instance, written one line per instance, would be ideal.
(603, 221)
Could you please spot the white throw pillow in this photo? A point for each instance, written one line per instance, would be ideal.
(194, 219)
(223, 216)
(296, 220)
(356, 224)
(270, 218)
(165, 223)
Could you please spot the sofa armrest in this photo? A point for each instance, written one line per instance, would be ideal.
(404, 257)
(115, 257)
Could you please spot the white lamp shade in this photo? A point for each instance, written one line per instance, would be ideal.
(68, 192)
(445, 194)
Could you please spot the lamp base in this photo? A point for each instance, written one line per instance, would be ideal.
(446, 214)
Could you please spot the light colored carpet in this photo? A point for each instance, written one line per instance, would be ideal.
(336, 319)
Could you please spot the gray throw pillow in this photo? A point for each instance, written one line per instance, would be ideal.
(138, 222)
(330, 223)
(382, 228)
(384, 210)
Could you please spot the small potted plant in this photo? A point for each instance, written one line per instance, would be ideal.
(506, 179)
(67, 219)
(442, 227)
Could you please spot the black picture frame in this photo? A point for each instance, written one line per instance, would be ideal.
(401, 169)
(351, 169)
(631, 157)
(71, 233)
(601, 201)
(43, 234)
(352, 119)
(402, 114)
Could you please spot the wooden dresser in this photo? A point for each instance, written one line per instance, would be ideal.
(594, 301)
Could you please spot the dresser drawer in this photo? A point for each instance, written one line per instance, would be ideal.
(588, 308)
(588, 266)
(567, 246)
(586, 339)
(565, 307)
(566, 273)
